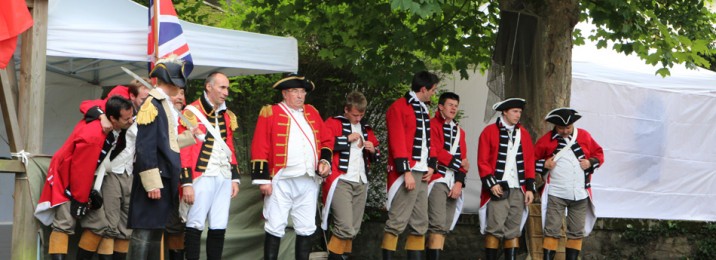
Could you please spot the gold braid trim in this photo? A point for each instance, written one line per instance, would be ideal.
(266, 111)
(234, 123)
(147, 113)
(189, 115)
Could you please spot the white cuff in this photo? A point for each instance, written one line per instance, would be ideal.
(259, 182)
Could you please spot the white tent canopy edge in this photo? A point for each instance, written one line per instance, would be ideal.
(89, 40)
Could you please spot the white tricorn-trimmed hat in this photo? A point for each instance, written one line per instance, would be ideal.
(509, 103)
(562, 116)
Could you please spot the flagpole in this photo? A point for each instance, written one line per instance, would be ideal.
(156, 30)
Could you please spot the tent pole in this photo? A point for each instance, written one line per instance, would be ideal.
(31, 111)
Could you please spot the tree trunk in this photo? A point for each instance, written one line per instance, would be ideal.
(554, 52)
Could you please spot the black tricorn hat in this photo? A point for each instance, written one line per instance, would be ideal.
(563, 116)
(294, 81)
(170, 72)
(509, 103)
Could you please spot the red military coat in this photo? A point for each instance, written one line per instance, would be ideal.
(402, 125)
(269, 147)
(73, 167)
(336, 129)
(194, 158)
(445, 159)
(339, 128)
(546, 147)
(487, 151)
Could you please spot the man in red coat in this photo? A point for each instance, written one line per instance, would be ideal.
(67, 194)
(210, 175)
(566, 158)
(288, 156)
(445, 187)
(345, 191)
(410, 166)
(105, 230)
(505, 160)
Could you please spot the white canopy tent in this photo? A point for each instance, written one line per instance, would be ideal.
(659, 150)
(89, 40)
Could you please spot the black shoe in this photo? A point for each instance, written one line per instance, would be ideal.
(84, 254)
(334, 256)
(571, 254)
(176, 254)
(548, 254)
(215, 244)
(145, 244)
(192, 243)
(432, 254)
(415, 254)
(271, 245)
(303, 247)
(388, 254)
(119, 256)
(510, 253)
(491, 253)
(58, 256)
(105, 257)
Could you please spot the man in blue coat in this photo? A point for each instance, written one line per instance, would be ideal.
(157, 164)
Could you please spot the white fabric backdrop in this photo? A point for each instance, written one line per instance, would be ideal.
(660, 160)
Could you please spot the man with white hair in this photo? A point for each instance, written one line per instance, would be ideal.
(288, 155)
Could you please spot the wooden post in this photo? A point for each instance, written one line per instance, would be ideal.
(9, 112)
(31, 116)
(32, 79)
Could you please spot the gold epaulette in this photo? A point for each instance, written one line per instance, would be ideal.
(147, 113)
(234, 123)
(189, 115)
(266, 111)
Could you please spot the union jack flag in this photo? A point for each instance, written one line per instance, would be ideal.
(166, 27)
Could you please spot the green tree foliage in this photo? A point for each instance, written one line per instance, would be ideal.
(661, 32)
(376, 46)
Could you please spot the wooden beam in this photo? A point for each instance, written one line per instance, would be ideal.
(31, 116)
(11, 166)
(32, 79)
(9, 113)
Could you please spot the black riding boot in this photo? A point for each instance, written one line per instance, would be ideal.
(176, 254)
(388, 254)
(84, 254)
(192, 243)
(548, 254)
(303, 247)
(145, 244)
(510, 253)
(433, 254)
(271, 245)
(215, 244)
(571, 254)
(491, 253)
(414, 254)
(58, 256)
(121, 256)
